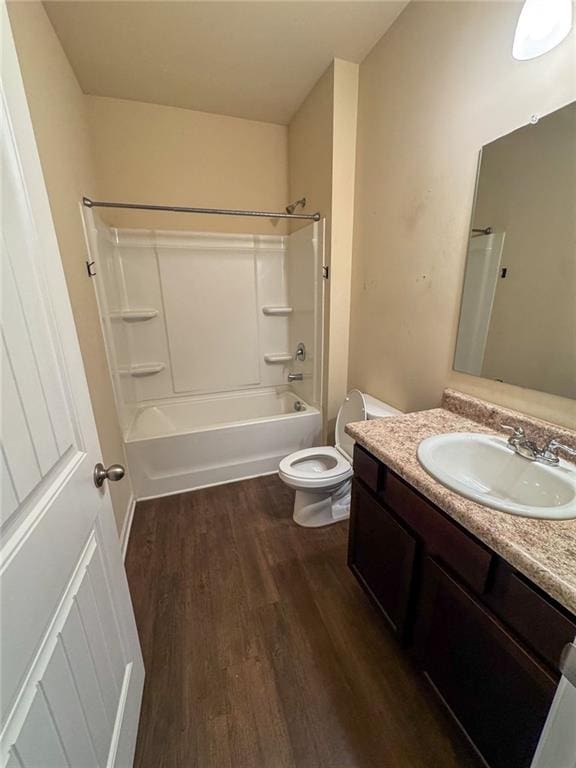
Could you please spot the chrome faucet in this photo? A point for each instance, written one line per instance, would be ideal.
(519, 443)
(295, 376)
(549, 456)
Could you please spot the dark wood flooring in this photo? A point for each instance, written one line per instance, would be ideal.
(261, 651)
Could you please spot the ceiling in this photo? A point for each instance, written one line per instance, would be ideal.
(255, 60)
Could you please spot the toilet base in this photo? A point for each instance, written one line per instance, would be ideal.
(315, 509)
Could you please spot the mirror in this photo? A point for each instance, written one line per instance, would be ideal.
(518, 310)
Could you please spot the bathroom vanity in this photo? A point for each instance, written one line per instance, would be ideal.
(484, 612)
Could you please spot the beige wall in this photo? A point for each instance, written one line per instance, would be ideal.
(343, 175)
(321, 154)
(527, 189)
(310, 142)
(425, 109)
(58, 114)
(155, 154)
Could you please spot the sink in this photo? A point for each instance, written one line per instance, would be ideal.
(484, 469)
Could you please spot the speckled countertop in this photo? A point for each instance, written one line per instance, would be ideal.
(543, 550)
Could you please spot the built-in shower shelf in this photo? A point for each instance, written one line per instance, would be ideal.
(136, 315)
(146, 369)
(278, 357)
(278, 311)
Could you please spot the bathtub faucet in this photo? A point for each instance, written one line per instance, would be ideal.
(295, 376)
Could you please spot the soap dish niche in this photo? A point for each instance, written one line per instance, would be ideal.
(277, 311)
(278, 357)
(134, 315)
(145, 369)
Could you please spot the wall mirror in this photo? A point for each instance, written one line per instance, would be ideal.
(518, 308)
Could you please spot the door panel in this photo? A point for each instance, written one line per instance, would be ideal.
(72, 671)
(17, 442)
(34, 577)
(39, 743)
(80, 670)
(8, 502)
(60, 689)
(19, 355)
(31, 340)
(79, 659)
(467, 654)
(381, 554)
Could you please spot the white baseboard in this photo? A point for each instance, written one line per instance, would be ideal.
(127, 526)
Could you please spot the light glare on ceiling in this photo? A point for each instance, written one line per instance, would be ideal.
(542, 25)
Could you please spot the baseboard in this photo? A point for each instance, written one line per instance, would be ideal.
(127, 526)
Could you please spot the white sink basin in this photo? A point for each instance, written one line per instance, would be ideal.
(483, 468)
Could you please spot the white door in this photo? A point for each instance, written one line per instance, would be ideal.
(71, 667)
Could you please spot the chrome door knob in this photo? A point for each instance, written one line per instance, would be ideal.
(114, 473)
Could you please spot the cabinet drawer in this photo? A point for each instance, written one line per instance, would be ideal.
(367, 468)
(442, 538)
(496, 689)
(545, 628)
(381, 555)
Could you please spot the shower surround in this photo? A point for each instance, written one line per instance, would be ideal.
(201, 331)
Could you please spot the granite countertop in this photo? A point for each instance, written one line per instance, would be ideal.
(543, 550)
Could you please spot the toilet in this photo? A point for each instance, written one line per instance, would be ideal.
(322, 476)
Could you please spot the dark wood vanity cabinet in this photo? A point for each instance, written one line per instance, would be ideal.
(498, 691)
(382, 557)
(487, 639)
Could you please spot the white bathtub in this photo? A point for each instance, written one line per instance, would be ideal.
(182, 445)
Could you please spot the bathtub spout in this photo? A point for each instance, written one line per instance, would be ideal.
(295, 376)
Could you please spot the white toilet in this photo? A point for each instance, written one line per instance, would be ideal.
(322, 476)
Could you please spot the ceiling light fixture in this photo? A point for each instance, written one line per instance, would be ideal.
(542, 25)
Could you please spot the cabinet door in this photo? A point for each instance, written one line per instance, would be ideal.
(499, 693)
(381, 555)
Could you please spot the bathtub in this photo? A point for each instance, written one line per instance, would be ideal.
(186, 444)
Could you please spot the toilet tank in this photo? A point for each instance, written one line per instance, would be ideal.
(377, 409)
(357, 407)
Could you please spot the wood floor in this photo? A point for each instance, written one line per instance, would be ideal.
(261, 650)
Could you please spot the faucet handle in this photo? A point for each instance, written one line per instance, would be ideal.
(515, 429)
(549, 455)
(553, 445)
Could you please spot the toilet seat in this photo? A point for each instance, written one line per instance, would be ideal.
(316, 467)
(322, 477)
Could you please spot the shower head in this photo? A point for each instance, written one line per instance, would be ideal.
(292, 207)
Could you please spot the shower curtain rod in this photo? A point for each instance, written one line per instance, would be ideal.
(182, 209)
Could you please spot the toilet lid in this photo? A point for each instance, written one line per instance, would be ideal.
(352, 409)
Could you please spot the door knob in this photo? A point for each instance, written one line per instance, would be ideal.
(114, 472)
